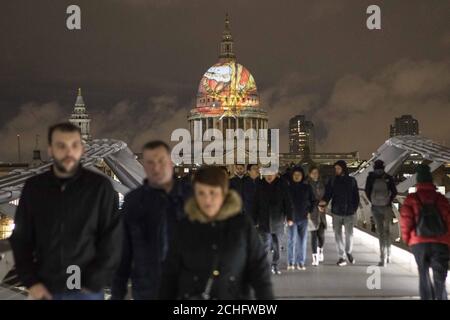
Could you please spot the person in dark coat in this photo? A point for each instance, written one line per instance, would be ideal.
(381, 191)
(271, 208)
(318, 220)
(67, 226)
(343, 192)
(303, 201)
(250, 185)
(287, 174)
(430, 251)
(151, 213)
(237, 182)
(216, 253)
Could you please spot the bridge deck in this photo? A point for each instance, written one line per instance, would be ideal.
(398, 280)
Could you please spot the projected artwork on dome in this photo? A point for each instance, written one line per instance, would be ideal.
(226, 86)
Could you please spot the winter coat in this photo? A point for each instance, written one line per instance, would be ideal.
(246, 188)
(317, 217)
(66, 222)
(303, 201)
(150, 218)
(409, 214)
(237, 184)
(344, 195)
(227, 246)
(272, 206)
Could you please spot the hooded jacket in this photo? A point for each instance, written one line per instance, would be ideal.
(302, 197)
(409, 214)
(343, 192)
(228, 243)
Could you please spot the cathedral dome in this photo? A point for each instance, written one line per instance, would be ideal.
(227, 84)
(227, 87)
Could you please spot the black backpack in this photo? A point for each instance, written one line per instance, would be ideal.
(430, 222)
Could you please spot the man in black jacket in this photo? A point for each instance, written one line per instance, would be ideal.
(271, 208)
(151, 213)
(381, 191)
(343, 191)
(238, 181)
(67, 236)
(249, 190)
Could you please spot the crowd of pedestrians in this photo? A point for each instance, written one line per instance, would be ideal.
(208, 237)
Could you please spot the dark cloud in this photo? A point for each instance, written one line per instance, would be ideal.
(137, 124)
(32, 120)
(360, 109)
(139, 63)
(133, 122)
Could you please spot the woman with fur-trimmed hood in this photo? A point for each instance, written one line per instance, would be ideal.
(216, 252)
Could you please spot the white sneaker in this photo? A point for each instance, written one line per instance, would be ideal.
(315, 258)
(320, 255)
(300, 267)
(275, 270)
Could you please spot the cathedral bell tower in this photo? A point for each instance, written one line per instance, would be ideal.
(81, 118)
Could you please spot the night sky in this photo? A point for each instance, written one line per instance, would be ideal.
(139, 62)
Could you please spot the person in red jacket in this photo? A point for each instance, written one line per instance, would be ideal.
(429, 252)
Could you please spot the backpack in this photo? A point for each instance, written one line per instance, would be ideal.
(430, 222)
(380, 196)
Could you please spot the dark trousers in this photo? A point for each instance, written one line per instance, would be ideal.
(436, 257)
(271, 242)
(318, 238)
(383, 217)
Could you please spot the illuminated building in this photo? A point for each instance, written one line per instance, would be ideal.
(406, 125)
(227, 96)
(301, 135)
(6, 226)
(323, 158)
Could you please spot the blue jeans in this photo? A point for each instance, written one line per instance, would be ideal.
(297, 242)
(78, 295)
